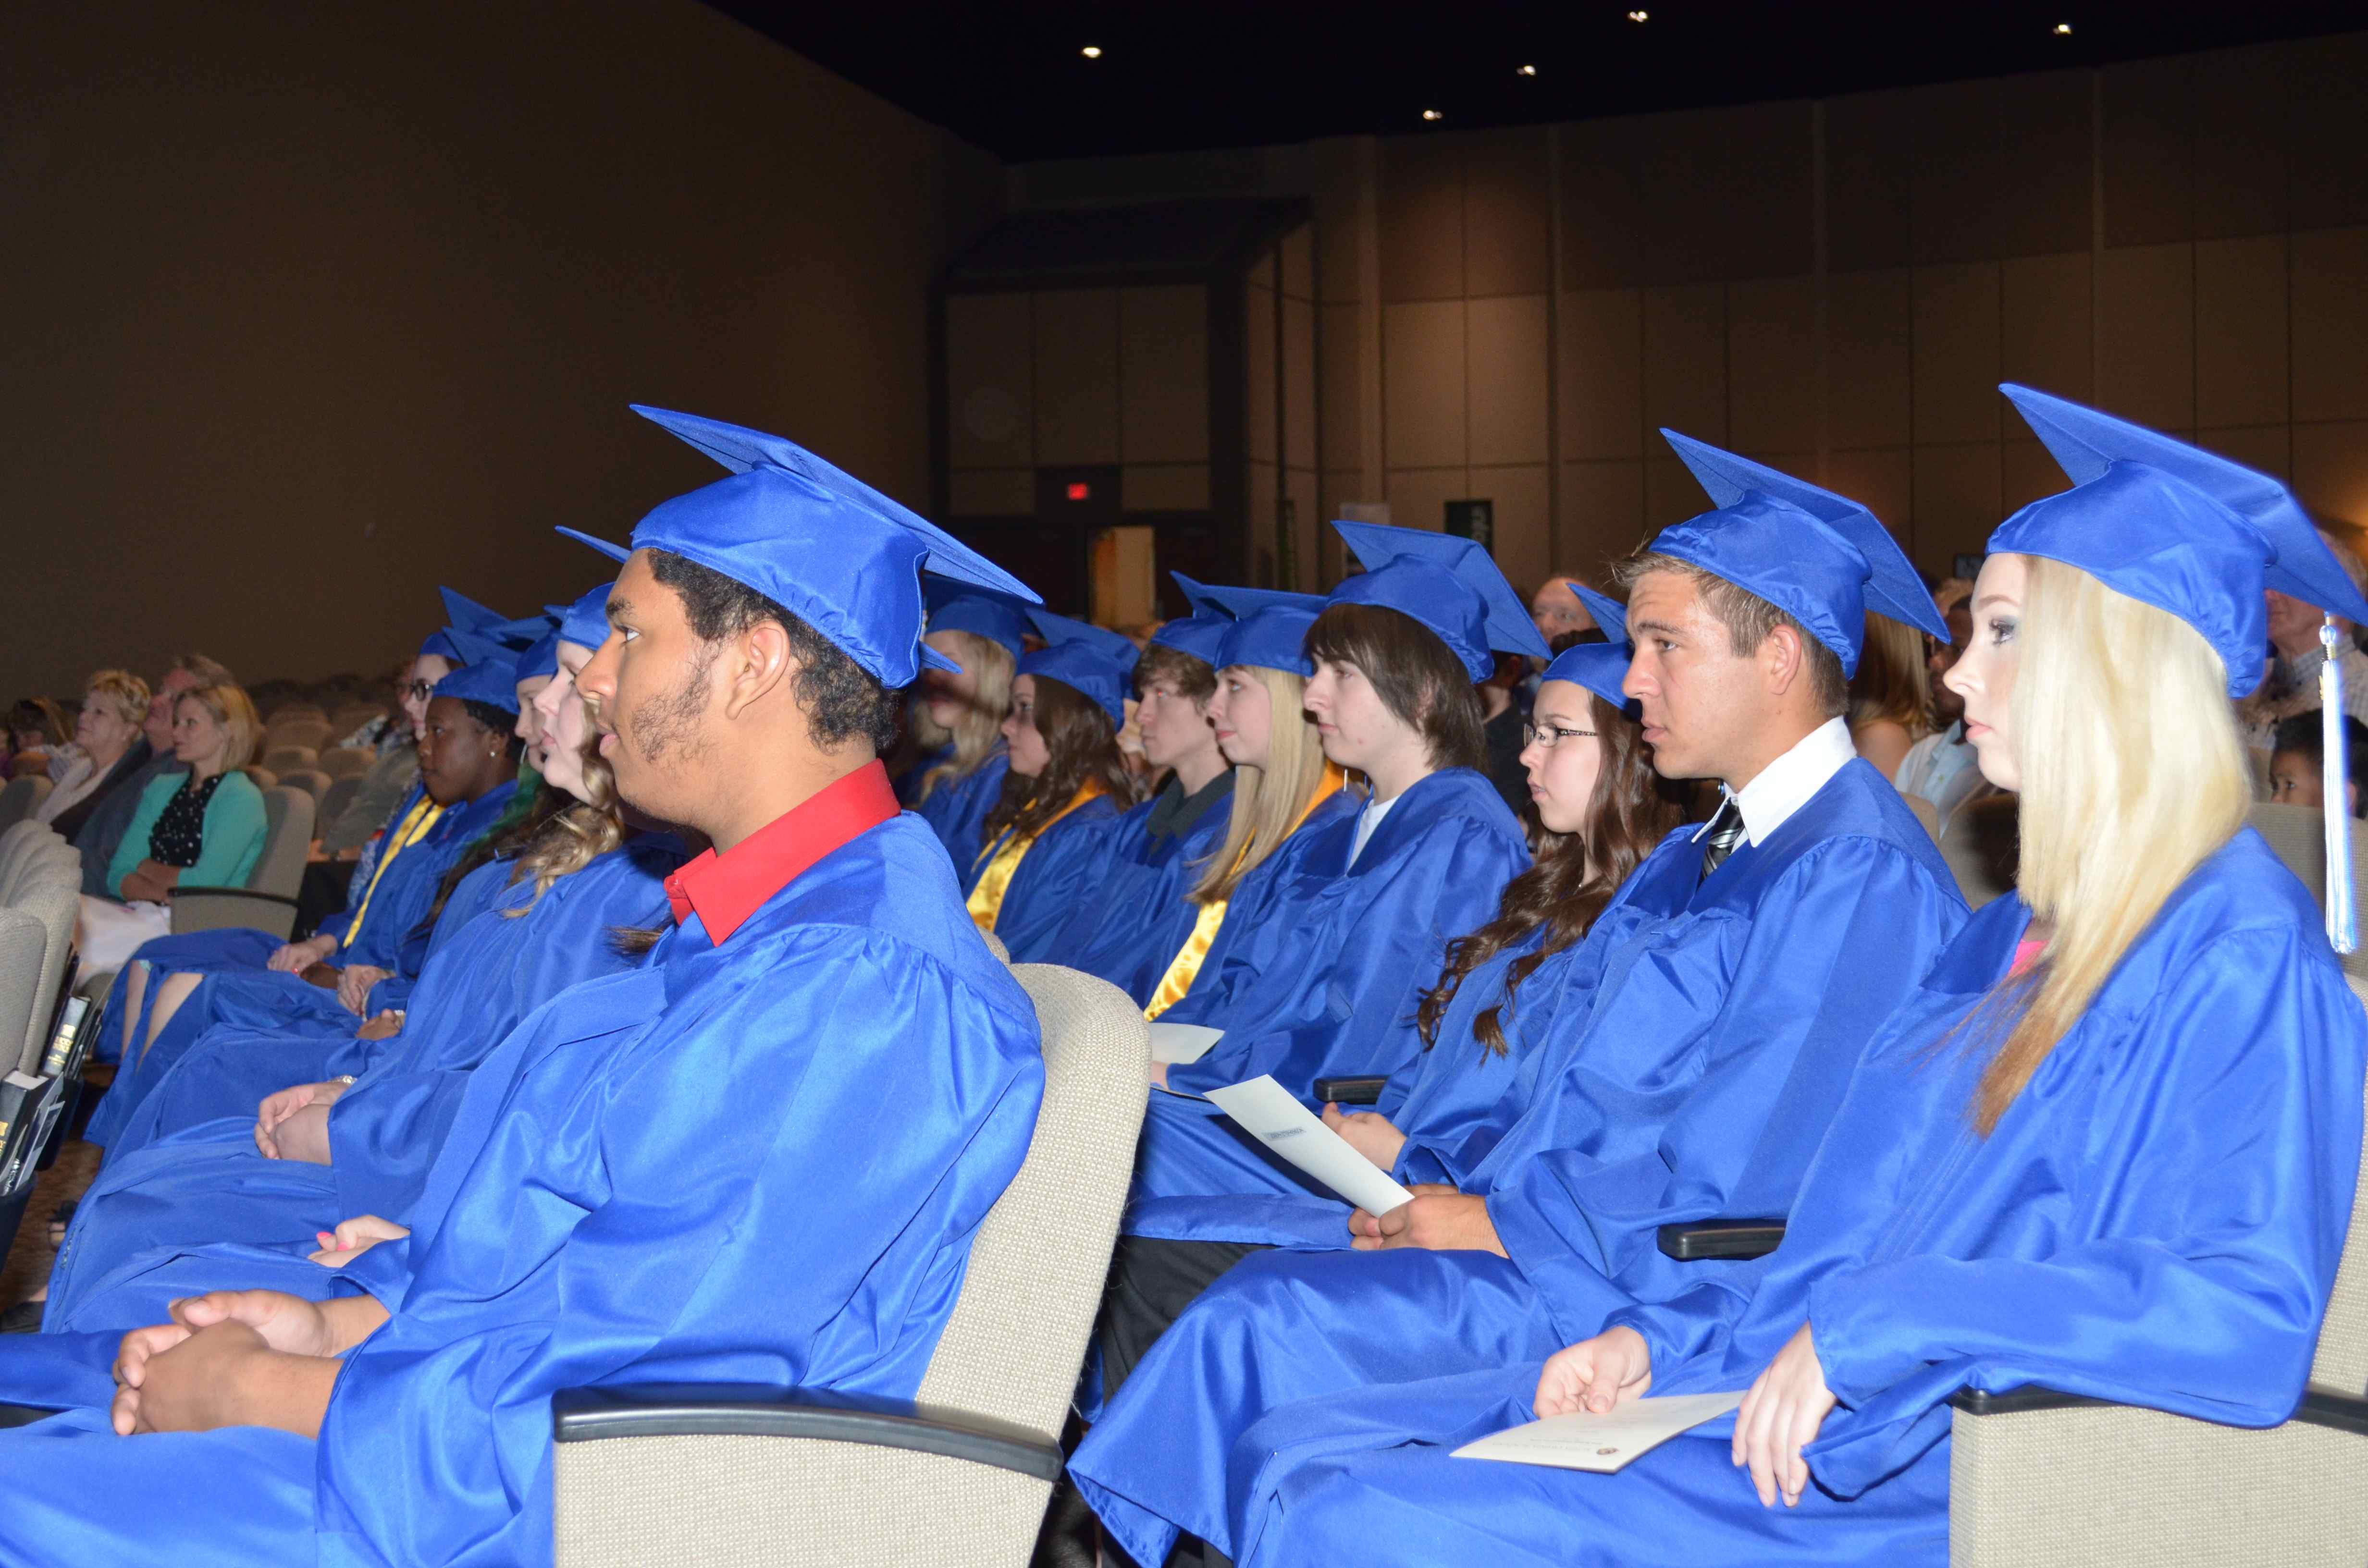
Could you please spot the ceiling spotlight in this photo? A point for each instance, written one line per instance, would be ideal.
(1432, 114)
(1527, 71)
(1091, 51)
(1640, 16)
(2063, 29)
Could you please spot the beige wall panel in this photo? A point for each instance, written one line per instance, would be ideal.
(1298, 382)
(2044, 337)
(1422, 394)
(1869, 176)
(1299, 263)
(1164, 371)
(2330, 325)
(1164, 487)
(1337, 203)
(2266, 449)
(1077, 377)
(2331, 468)
(1671, 493)
(2146, 334)
(2149, 145)
(1869, 358)
(1685, 362)
(1505, 364)
(1422, 218)
(2002, 167)
(1771, 364)
(1262, 520)
(1507, 214)
(990, 380)
(1418, 497)
(1601, 336)
(1264, 368)
(1306, 498)
(2240, 144)
(1602, 516)
(2240, 331)
(1340, 349)
(2328, 163)
(1881, 479)
(1956, 501)
(994, 493)
(2026, 472)
(1956, 350)
(1523, 549)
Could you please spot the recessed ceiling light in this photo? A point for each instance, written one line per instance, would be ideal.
(1091, 51)
(2063, 29)
(1640, 16)
(1527, 71)
(1432, 114)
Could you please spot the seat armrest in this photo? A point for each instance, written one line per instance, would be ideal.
(1692, 1241)
(754, 1410)
(1349, 1091)
(2319, 1408)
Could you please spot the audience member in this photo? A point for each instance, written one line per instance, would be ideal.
(1556, 608)
(2296, 658)
(109, 748)
(2299, 763)
(103, 830)
(37, 731)
(1505, 709)
(957, 720)
(1942, 768)
(1891, 696)
(204, 824)
(396, 768)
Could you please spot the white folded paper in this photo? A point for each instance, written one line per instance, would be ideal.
(1177, 1044)
(1267, 1113)
(1601, 1443)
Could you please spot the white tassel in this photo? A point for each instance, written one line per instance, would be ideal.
(2335, 772)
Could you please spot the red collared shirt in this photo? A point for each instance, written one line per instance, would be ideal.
(724, 889)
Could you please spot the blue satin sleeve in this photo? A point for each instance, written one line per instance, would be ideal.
(1057, 876)
(1755, 1069)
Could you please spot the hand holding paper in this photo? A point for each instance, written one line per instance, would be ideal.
(1266, 1112)
(1601, 1443)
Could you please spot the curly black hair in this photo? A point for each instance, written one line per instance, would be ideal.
(841, 700)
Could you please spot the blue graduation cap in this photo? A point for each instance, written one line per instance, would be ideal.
(2176, 527)
(462, 613)
(952, 608)
(585, 622)
(1201, 634)
(1821, 558)
(1447, 584)
(1270, 626)
(488, 673)
(1100, 664)
(519, 634)
(1598, 666)
(541, 661)
(819, 543)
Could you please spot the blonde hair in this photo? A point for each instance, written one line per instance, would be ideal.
(575, 836)
(121, 693)
(1892, 681)
(2133, 774)
(1270, 801)
(981, 723)
(234, 711)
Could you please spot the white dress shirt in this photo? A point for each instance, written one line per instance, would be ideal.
(1943, 768)
(1785, 785)
(1368, 821)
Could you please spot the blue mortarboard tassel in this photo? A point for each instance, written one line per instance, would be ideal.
(2342, 918)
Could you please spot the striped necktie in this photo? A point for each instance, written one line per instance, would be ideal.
(1725, 833)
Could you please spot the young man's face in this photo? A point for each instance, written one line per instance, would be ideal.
(649, 687)
(2296, 780)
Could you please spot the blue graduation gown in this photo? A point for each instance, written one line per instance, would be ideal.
(606, 1211)
(957, 808)
(1694, 1082)
(2157, 1221)
(1341, 955)
(1056, 874)
(206, 1183)
(1129, 928)
(388, 935)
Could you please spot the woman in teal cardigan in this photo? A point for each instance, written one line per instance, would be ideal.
(203, 828)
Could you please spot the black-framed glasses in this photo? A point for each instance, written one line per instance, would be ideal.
(419, 688)
(1545, 737)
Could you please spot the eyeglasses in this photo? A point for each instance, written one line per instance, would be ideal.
(419, 688)
(1545, 737)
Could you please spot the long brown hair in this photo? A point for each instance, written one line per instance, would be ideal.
(574, 836)
(1572, 880)
(1892, 681)
(1418, 679)
(1084, 746)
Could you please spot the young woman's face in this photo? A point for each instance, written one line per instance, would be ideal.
(1564, 755)
(1242, 715)
(1357, 729)
(460, 759)
(1029, 755)
(199, 738)
(947, 694)
(528, 727)
(1984, 673)
(426, 671)
(560, 710)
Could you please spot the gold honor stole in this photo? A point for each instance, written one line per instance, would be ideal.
(407, 832)
(1186, 965)
(985, 901)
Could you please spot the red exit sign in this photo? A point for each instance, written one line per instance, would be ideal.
(1080, 490)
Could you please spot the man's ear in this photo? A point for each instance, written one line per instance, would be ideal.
(759, 663)
(1783, 662)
